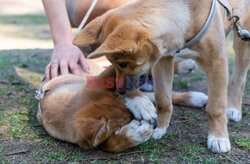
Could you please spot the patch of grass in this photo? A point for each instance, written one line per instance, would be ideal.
(3, 91)
(57, 156)
(2, 108)
(23, 19)
(198, 77)
(192, 150)
(5, 62)
(18, 121)
(33, 136)
(245, 112)
(2, 159)
(24, 100)
(78, 156)
(239, 124)
(184, 84)
(154, 149)
(242, 142)
(201, 159)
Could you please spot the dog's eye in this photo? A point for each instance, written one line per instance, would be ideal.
(123, 65)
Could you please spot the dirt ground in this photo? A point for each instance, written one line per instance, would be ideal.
(25, 48)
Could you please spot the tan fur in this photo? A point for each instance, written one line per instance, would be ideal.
(145, 31)
(88, 116)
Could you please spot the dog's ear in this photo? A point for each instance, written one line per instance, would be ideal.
(122, 40)
(89, 34)
(114, 46)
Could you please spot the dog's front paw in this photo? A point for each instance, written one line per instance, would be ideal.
(186, 66)
(142, 108)
(159, 132)
(138, 131)
(233, 114)
(218, 144)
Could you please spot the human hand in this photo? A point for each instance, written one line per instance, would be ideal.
(65, 57)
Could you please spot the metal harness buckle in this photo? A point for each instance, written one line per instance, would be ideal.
(242, 33)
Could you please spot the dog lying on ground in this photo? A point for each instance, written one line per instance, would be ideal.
(73, 111)
(140, 36)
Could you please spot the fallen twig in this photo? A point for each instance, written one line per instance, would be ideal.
(18, 152)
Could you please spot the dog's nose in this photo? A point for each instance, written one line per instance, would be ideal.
(121, 91)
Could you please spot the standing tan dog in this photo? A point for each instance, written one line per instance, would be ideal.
(140, 36)
(73, 110)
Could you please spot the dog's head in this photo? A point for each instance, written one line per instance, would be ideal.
(125, 43)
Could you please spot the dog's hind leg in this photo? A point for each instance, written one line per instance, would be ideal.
(134, 133)
(238, 78)
(190, 99)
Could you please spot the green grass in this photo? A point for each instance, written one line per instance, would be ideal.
(184, 84)
(192, 149)
(240, 141)
(78, 156)
(3, 91)
(5, 62)
(198, 76)
(155, 150)
(243, 143)
(23, 19)
(57, 156)
(18, 122)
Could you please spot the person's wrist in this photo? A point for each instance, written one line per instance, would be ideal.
(63, 44)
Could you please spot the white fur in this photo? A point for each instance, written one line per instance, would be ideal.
(233, 114)
(104, 64)
(142, 108)
(198, 99)
(187, 53)
(137, 131)
(100, 132)
(218, 145)
(159, 132)
(186, 66)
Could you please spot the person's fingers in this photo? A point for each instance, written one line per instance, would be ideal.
(64, 67)
(84, 64)
(47, 72)
(54, 69)
(74, 68)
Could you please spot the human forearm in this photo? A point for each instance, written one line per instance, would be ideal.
(58, 21)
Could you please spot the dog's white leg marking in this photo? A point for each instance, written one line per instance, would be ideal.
(138, 131)
(141, 107)
(233, 114)
(198, 99)
(218, 145)
(159, 132)
(186, 66)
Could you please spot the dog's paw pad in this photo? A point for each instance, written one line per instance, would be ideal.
(139, 131)
(186, 66)
(159, 132)
(142, 108)
(233, 114)
(198, 99)
(218, 145)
